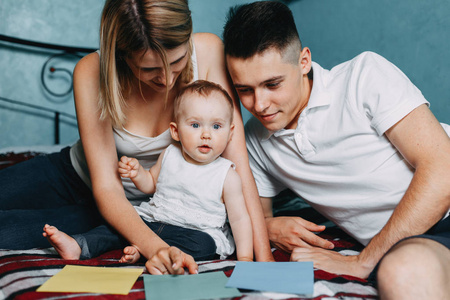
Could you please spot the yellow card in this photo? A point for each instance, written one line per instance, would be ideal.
(73, 279)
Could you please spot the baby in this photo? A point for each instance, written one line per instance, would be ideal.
(194, 188)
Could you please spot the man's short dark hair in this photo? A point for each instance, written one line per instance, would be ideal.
(253, 28)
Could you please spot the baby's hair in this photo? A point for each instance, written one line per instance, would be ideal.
(203, 88)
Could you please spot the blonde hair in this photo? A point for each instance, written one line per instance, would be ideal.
(203, 88)
(130, 26)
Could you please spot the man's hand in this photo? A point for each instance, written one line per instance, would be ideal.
(332, 261)
(287, 233)
(171, 260)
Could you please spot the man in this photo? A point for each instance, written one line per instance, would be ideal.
(358, 143)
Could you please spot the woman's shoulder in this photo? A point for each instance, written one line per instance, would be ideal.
(206, 39)
(207, 46)
(86, 77)
(89, 64)
(209, 50)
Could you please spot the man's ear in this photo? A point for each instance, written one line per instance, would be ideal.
(174, 131)
(305, 60)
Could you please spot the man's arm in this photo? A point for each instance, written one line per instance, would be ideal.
(424, 144)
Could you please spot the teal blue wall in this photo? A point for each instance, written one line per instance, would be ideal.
(413, 34)
(72, 23)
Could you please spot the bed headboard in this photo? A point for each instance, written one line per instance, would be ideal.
(49, 71)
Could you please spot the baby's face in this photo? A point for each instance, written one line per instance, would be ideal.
(204, 127)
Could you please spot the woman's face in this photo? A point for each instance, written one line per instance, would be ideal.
(148, 67)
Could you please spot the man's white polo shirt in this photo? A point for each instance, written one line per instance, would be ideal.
(338, 158)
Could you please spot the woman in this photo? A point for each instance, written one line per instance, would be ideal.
(124, 100)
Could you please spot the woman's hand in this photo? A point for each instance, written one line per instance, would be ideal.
(171, 260)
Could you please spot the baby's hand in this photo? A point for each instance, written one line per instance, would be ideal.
(128, 167)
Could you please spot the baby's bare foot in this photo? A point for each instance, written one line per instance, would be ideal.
(64, 244)
(130, 255)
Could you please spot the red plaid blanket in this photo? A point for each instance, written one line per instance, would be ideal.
(22, 272)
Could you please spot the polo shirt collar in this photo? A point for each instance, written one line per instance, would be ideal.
(319, 93)
(319, 97)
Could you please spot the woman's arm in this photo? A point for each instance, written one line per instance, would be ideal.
(100, 151)
(211, 65)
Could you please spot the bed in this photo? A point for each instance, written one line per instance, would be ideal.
(23, 271)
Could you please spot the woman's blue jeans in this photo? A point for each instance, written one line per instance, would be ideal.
(43, 190)
(103, 238)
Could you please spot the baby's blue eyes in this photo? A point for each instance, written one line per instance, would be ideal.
(215, 126)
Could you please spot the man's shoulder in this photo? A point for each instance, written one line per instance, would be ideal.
(369, 59)
(368, 56)
(363, 63)
(366, 65)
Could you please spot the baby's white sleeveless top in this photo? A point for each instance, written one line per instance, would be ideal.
(145, 149)
(190, 196)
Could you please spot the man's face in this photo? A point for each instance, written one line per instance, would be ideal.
(273, 90)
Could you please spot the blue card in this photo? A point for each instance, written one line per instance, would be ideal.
(280, 277)
(188, 287)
